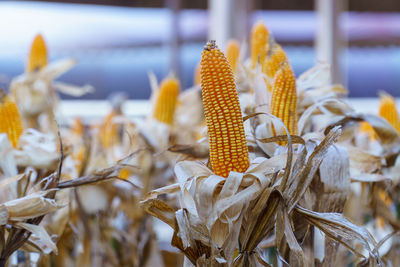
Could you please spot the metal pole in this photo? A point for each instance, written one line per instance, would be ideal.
(228, 19)
(174, 38)
(329, 42)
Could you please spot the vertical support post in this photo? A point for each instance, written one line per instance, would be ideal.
(174, 38)
(329, 41)
(228, 19)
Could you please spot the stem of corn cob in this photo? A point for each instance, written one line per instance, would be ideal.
(284, 97)
(388, 111)
(10, 119)
(258, 43)
(38, 54)
(232, 53)
(166, 100)
(228, 147)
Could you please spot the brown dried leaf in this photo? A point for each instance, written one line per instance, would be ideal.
(160, 210)
(337, 227)
(196, 151)
(388, 136)
(303, 174)
(285, 235)
(31, 206)
(39, 237)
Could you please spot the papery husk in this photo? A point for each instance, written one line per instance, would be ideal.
(37, 150)
(314, 86)
(189, 111)
(198, 188)
(30, 206)
(7, 163)
(35, 93)
(388, 136)
(213, 204)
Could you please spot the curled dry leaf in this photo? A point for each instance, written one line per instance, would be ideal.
(30, 206)
(337, 227)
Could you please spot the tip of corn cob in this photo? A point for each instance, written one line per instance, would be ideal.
(108, 130)
(284, 97)
(211, 44)
(388, 110)
(258, 43)
(166, 100)
(274, 60)
(38, 54)
(10, 119)
(232, 53)
(228, 146)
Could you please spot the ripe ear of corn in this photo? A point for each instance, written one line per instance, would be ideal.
(388, 111)
(273, 62)
(228, 147)
(232, 53)
(284, 97)
(77, 127)
(38, 54)
(108, 130)
(10, 119)
(166, 100)
(258, 43)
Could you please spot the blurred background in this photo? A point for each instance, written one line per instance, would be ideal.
(117, 42)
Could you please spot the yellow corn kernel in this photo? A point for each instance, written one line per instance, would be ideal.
(228, 147)
(166, 101)
(284, 97)
(388, 111)
(258, 43)
(367, 129)
(196, 78)
(108, 130)
(232, 53)
(10, 119)
(38, 54)
(273, 61)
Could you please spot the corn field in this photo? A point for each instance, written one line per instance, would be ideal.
(252, 166)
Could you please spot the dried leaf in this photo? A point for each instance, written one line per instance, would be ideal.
(39, 237)
(337, 227)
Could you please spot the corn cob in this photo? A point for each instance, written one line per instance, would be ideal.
(196, 78)
(108, 130)
(38, 54)
(273, 62)
(366, 128)
(166, 101)
(10, 119)
(388, 111)
(228, 148)
(232, 53)
(258, 43)
(77, 127)
(284, 98)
